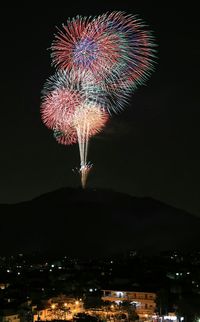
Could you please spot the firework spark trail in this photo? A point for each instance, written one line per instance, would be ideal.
(83, 141)
(83, 138)
(84, 171)
(87, 121)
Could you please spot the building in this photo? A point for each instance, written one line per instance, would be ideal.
(3, 286)
(144, 302)
(59, 308)
(9, 317)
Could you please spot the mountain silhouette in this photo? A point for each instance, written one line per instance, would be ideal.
(95, 222)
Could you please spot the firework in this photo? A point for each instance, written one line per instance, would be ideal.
(82, 82)
(85, 122)
(66, 92)
(137, 50)
(109, 45)
(101, 61)
(70, 109)
(58, 107)
(85, 44)
(115, 48)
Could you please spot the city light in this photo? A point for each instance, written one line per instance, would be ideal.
(170, 317)
(66, 307)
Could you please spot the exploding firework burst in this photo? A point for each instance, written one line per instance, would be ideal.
(58, 107)
(85, 44)
(114, 47)
(84, 123)
(137, 53)
(66, 92)
(100, 62)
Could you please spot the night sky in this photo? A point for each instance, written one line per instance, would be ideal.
(151, 149)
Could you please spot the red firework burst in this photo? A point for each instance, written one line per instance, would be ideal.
(68, 137)
(86, 45)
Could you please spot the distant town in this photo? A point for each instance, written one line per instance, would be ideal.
(127, 287)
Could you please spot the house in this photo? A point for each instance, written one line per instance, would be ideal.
(144, 302)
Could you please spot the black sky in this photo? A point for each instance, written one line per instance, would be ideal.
(151, 149)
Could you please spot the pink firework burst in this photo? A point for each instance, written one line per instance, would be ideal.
(58, 107)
